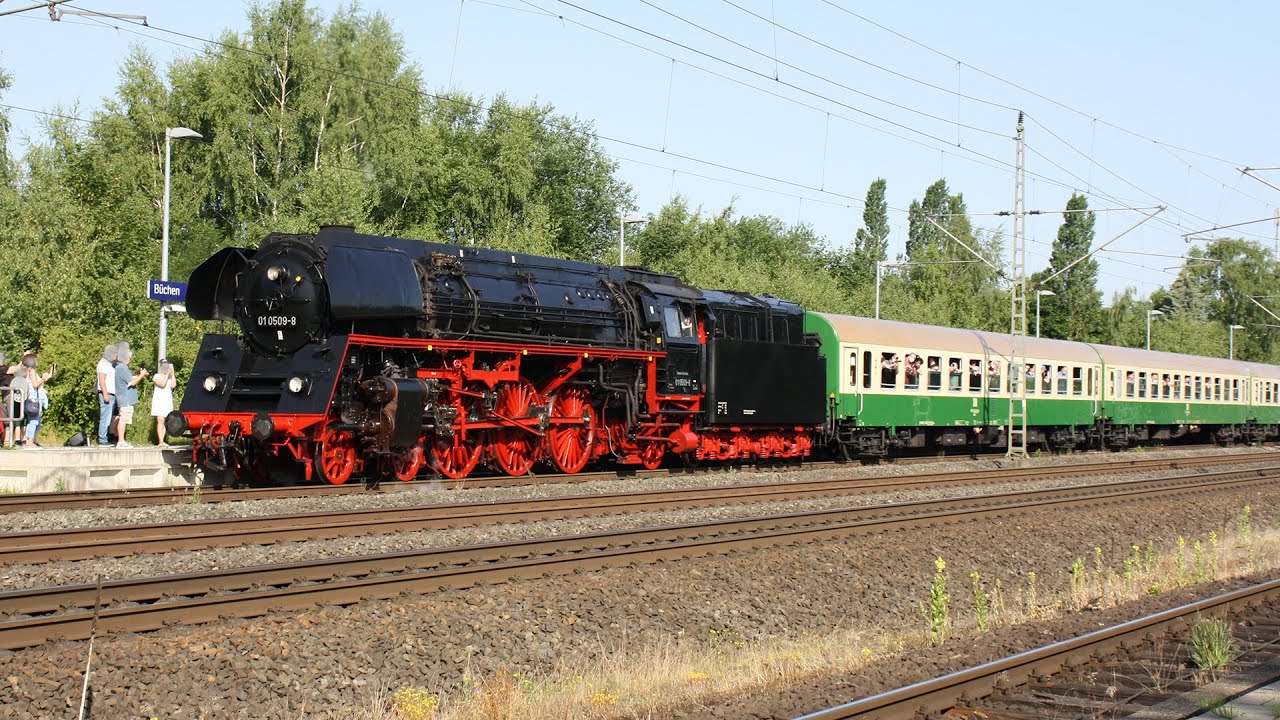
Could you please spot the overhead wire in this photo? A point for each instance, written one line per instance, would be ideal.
(606, 138)
(1029, 91)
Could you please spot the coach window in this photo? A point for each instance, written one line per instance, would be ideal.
(889, 364)
(955, 374)
(934, 372)
(911, 369)
(866, 370)
(853, 369)
(1175, 386)
(1111, 385)
(1062, 379)
(975, 376)
(1166, 386)
(993, 376)
(1142, 385)
(1129, 381)
(1199, 384)
(1077, 381)
(1029, 377)
(1046, 379)
(1235, 390)
(1217, 388)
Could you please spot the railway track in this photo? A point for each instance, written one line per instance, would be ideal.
(1136, 667)
(40, 615)
(140, 497)
(36, 547)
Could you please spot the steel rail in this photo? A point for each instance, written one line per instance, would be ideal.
(42, 546)
(945, 693)
(140, 604)
(140, 497)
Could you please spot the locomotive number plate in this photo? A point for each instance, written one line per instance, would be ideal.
(277, 320)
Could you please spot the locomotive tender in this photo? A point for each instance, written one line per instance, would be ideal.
(361, 355)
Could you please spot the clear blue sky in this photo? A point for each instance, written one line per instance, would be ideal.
(1195, 75)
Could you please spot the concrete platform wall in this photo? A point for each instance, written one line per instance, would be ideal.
(57, 469)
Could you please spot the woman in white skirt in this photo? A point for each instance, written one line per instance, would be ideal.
(162, 398)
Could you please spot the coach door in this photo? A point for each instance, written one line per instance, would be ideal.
(851, 369)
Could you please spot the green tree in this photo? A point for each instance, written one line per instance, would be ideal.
(857, 268)
(1074, 311)
(952, 286)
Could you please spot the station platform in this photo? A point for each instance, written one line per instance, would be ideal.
(1253, 694)
(91, 468)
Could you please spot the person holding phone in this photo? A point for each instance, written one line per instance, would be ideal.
(162, 398)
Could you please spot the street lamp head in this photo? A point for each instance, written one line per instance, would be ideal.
(1046, 293)
(1236, 327)
(629, 219)
(1153, 313)
(181, 132)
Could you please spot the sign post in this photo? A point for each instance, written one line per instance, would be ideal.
(170, 293)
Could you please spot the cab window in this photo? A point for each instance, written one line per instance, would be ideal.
(679, 321)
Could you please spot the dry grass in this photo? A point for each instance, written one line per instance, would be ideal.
(638, 682)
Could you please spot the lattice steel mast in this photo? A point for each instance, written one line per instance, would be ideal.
(1016, 449)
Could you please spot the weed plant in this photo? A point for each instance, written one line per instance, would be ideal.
(1213, 645)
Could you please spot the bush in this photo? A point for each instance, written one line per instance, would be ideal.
(73, 400)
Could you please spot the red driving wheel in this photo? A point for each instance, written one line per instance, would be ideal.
(515, 449)
(406, 465)
(456, 455)
(571, 446)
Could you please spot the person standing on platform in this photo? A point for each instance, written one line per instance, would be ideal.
(162, 398)
(37, 396)
(126, 394)
(106, 392)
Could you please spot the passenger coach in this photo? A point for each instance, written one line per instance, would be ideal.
(894, 385)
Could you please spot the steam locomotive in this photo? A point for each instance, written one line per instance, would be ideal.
(360, 355)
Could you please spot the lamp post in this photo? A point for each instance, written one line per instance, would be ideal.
(169, 135)
(1231, 340)
(1040, 294)
(879, 273)
(623, 222)
(1151, 314)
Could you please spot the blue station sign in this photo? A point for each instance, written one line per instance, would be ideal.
(166, 290)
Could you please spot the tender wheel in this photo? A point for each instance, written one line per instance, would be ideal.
(515, 449)
(336, 455)
(406, 465)
(571, 446)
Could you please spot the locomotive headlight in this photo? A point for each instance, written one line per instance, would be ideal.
(274, 272)
(212, 383)
(299, 384)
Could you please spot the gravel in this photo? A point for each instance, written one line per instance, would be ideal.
(402, 496)
(326, 660)
(15, 577)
